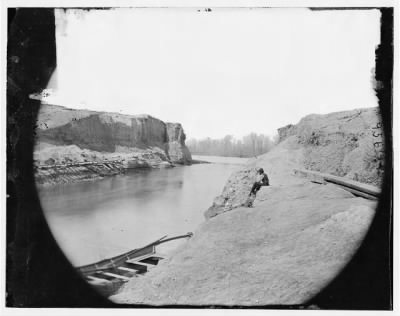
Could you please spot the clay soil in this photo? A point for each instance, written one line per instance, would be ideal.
(292, 243)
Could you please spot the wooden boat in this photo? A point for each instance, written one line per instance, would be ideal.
(108, 275)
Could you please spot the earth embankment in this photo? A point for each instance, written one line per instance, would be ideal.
(67, 136)
(284, 250)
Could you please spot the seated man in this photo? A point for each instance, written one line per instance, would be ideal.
(261, 180)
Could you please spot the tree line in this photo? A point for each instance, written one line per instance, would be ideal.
(250, 145)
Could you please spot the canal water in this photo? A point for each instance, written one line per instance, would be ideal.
(96, 220)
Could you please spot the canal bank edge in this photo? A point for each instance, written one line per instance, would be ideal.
(298, 236)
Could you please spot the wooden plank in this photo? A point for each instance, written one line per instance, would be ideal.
(117, 276)
(149, 255)
(128, 269)
(102, 275)
(95, 279)
(148, 265)
(136, 266)
(362, 189)
(358, 193)
(366, 188)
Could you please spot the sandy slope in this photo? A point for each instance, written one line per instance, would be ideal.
(292, 243)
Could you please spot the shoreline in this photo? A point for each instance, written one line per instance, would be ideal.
(74, 172)
(50, 175)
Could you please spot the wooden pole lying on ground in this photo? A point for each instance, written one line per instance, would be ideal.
(357, 188)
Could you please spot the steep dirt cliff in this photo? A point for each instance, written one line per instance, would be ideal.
(176, 148)
(108, 132)
(286, 248)
(67, 136)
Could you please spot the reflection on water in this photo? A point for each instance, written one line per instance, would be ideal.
(95, 220)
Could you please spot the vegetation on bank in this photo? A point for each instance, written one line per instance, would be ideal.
(251, 145)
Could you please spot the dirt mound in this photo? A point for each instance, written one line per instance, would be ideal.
(347, 144)
(339, 143)
(282, 251)
(291, 244)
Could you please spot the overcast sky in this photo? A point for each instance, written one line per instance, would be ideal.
(229, 71)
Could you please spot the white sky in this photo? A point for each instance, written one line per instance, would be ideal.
(229, 71)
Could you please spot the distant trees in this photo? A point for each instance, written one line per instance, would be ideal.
(250, 145)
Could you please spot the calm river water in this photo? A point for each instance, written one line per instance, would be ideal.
(95, 220)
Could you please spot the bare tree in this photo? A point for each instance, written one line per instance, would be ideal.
(250, 145)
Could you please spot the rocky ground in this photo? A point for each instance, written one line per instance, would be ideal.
(48, 154)
(66, 164)
(285, 249)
